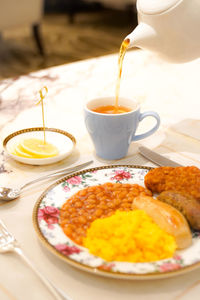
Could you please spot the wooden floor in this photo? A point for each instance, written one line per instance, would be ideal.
(92, 34)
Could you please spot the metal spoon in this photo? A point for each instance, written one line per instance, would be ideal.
(8, 194)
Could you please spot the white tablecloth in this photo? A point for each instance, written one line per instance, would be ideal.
(171, 90)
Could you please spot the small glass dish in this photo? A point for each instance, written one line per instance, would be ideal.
(64, 141)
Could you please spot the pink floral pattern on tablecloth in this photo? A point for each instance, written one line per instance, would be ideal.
(49, 214)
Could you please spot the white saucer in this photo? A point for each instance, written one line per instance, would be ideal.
(64, 141)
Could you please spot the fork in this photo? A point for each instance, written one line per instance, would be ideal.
(8, 243)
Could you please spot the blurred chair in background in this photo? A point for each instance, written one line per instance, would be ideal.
(115, 4)
(123, 5)
(15, 13)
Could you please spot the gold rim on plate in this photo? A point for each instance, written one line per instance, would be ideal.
(10, 136)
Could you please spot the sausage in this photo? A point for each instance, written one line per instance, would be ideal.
(186, 204)
(167, 217)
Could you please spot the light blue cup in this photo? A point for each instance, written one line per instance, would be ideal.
(113, 133)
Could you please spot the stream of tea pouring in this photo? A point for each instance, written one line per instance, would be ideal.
(116, 108)
(122, 51)
(169, 28)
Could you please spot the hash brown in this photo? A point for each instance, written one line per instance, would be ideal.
(185, 180)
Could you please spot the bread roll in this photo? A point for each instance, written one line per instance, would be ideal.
(167, 217)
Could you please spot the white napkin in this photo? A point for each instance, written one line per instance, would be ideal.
(188, 127)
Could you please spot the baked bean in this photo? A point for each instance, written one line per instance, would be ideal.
(117, 201)
(111, 204)
(64, 222)
(74, 215)
(83, 193)
(78, 204)
(90, 206)
(102, 206)
(94, 202)
(122, 194)
(90, 218)
(92, 196)
(91, 201)
(98, 212)
(82, 220)
(67, 231)
(126, 205)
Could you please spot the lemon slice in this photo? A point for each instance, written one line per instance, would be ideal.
(19, 151)
(37, 148)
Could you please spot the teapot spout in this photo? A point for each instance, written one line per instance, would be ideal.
(143, 36)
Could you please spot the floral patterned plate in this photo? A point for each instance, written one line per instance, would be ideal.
(46, 217)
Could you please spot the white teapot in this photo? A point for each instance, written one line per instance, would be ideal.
(170, 28)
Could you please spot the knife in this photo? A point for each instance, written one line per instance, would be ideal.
(157, 158)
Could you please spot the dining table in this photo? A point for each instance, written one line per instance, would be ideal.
(172, 90)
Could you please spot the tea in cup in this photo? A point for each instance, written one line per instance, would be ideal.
(113, 129)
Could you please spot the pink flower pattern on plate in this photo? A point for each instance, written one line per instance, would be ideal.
(169, 267)
(67, 250)
(66, 188)
(178, 258)
(76, 180)
(120, 175)
(49, 214)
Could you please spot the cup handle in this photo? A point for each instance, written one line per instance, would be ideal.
(151, 131)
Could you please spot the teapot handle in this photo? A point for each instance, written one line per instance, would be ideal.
(151, 131)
